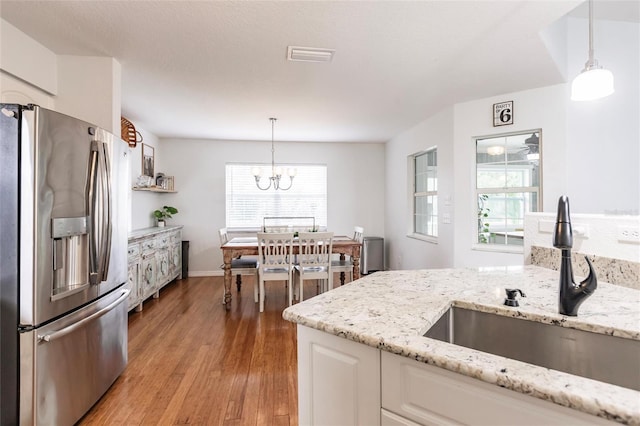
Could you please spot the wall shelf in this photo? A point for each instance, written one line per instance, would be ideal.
(153, 189)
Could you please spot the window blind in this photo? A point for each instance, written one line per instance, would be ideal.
(246, 205)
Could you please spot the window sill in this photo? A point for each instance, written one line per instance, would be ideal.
(425, 238)
(254, 230)
(498, 248)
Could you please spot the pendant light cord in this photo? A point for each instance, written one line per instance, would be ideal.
(590, 32)
(273, 161)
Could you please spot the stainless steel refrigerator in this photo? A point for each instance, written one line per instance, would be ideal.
(63, 266)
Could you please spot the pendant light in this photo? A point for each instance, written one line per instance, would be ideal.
(276, 172)
(593, 82)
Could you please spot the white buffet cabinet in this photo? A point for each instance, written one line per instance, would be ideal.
(155, 259)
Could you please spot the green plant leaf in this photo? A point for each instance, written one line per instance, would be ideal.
(167, 212)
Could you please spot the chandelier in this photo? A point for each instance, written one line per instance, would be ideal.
(276, 172)
(593, 82)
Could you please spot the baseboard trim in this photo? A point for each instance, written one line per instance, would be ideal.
(218, 273)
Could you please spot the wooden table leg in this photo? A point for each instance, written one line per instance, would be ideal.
(356, 263)
(226, 299)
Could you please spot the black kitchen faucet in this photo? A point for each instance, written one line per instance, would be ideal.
(571, 294)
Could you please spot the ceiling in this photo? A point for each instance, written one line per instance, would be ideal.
(218, 69)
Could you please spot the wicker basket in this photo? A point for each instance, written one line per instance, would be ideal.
(129, 133)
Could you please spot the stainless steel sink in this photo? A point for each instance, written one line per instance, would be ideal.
(596, 356)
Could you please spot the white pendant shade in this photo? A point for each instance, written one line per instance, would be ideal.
(592, 84)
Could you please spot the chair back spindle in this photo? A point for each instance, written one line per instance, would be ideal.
(358, 233)
(315, 249)
(314, 259)
(275, 251)
(224, 237)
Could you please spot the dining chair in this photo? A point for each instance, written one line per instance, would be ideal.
(275, 251)
(247, 265)
(345, 266)
(314, 260)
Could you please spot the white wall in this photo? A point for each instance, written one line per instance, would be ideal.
(15, 91)
(542, 108)
(402, 251)
(355, 187)
(143, 203)
(28, 70)
(453, 130)
(590, 150)
(89, 88)
(26, 59)
(603, 136)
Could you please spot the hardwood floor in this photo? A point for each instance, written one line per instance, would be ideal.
(193, 362)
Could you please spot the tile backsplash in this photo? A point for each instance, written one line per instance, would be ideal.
(614, 271)
(615, 259)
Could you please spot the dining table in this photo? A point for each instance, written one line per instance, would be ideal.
(248, 246)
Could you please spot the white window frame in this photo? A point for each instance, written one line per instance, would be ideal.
(413, 195)
(504, 248)
(274, 198)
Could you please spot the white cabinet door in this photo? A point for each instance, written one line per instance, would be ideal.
(133, 261)
(132, 283)
(338, 380)
(148, 275)
(163, 267)
(175, 255)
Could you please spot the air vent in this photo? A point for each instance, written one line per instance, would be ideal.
(309, 54)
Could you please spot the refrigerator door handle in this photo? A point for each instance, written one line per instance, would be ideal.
(99, 212)
(92, 187)
(106, 214)
(61, 333)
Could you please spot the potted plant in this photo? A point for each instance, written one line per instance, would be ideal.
(483, 215)
(163, 214)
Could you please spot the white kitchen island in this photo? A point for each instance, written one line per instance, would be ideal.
(362, 357)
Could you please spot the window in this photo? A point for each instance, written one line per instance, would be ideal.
(508, 186)
(246, 205)
(424, 190)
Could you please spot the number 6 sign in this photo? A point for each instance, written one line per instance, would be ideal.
(502, 113)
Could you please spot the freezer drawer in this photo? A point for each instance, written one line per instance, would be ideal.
(67, 365)
(372, 257)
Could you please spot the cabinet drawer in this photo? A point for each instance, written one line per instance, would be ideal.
(132, 251)
(148, 245)
(148, 255)
(162, 241)
(387, 418)
(430, 395)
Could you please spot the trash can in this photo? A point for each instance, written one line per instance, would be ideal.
(185, 259)
(372, 256)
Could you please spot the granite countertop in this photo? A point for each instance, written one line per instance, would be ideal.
(392, 310)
